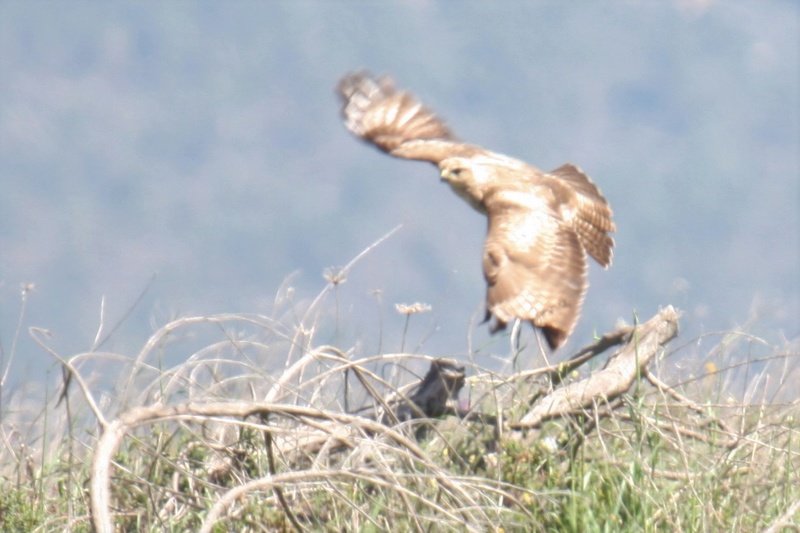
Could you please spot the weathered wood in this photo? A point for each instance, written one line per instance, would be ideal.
(620, 372)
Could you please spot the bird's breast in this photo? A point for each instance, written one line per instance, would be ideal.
(463, 191)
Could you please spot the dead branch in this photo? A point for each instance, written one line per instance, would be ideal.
(115, 431)
(609, 340)
(439, 387)
(557, 371)
(622, 369)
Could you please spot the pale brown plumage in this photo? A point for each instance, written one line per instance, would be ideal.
(541, 225)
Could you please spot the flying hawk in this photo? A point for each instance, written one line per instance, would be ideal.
(541, 224)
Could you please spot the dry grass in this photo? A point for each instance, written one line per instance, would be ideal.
(262, 428)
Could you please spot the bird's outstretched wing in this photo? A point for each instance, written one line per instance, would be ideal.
(541, 224)
(587, 211)
(395, 121)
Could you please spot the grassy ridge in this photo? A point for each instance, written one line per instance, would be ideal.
(259, 430)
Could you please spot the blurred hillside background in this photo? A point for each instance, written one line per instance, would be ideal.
(201, 143)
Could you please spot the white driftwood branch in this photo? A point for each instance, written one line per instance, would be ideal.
(620, 372)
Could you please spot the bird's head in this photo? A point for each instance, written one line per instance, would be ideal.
(458, 173)
(455, 171)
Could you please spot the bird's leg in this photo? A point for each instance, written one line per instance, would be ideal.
(542, 349)
(514, 341)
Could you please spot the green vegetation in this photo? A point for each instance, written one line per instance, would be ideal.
(252, 433)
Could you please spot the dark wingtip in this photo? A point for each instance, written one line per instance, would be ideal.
(554, 337)
(358, 80)
(349, 83)
(497, 325)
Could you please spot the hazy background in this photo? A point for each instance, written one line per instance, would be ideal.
(201, 143)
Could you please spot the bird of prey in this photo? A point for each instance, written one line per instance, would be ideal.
(541, 224)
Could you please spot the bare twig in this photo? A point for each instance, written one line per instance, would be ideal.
(557, 371)
(34, 333)
(694, 406)
(272, 472)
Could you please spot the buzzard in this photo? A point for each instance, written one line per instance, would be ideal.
(541, 224)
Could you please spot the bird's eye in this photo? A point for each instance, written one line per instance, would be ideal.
(450, 174)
